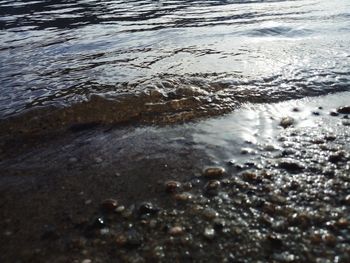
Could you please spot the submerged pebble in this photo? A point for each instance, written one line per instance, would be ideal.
(286, 122)
(344, 110)
(214, 172)
(176, 231)
(209, 232)
(147, 208)
(290, 165)
(172, 186)
(109, 205)
(182, 197)
(212, 187)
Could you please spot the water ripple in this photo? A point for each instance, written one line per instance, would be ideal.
(60, 52)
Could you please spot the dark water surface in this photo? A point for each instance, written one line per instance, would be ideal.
(169, 57)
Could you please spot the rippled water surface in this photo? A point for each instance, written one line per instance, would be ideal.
(171, 53)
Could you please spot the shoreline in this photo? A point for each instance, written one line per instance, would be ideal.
(283, 196)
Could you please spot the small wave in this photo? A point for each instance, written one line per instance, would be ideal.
(277, 31)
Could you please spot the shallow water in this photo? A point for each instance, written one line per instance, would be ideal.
(206, 54)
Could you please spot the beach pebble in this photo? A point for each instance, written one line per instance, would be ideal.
(334, 113)
(109, 205)
(212, 187)
(176, 231)
(213, 172)
(147, 208)
(344, 110)
(182, 197)
(290, 165)
(286, 122)
(210, 213)
(346, 123)
(172, 186)
(336, 157)
(209, 232)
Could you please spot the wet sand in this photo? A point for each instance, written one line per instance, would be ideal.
(283, 195)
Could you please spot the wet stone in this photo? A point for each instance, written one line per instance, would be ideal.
(330, 240)
(344, 110)
(299, 220)
(212, 187)
(347, 200)
(336, 157)
(147, 208)
(251, 177)
(346, 123)
(176, 231)
(109, 205)
(209, 232)
(219, 224)
(334, 113)
(210, 213)
(213, 172)
(172, 186)
(290, 165)
(183, 197)
(286, 122)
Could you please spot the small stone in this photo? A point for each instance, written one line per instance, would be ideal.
(329, 239)
(278, 199)
(330, 137)
(209, 232)
(300, 220)
(212, 187)
(185, 196)
(251, 177)
(294, 185)
(214, 172)
(316, 239)
(344, 110)
(290, 165)
(270, 148)
(247, 151)
(109, 205)
(219, 224)
(87, 261)
(342, 223)
(346, 123)
(334, 113)
(172, 186)
(347, 200)
(120, 209)
(88, 202)
(286, 122)
(148, 208)
(210, 213)
(336, 157)
(176, 231)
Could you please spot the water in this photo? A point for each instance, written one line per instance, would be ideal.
(185, 58)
